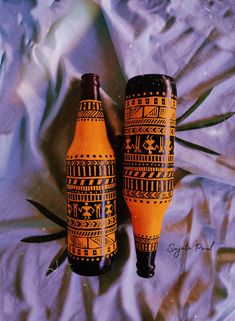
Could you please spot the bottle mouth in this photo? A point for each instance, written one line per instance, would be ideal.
(151, 77)
(145, 264)
(91, 78)
(89, 88)
(151, 84)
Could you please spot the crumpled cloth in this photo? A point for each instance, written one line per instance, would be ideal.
(43, 45)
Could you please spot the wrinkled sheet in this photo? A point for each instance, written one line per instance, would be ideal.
(43, 45)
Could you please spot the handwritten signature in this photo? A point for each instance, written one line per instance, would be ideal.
(176, 250)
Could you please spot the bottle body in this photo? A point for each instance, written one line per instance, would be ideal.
(148, 168)
(91, 192)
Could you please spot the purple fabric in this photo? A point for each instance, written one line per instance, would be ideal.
(43, 45)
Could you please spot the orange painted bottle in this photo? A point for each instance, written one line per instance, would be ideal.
(148, 167)
(91, 187)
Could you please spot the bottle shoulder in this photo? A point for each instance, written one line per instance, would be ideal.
(86, 148)
(90, 145)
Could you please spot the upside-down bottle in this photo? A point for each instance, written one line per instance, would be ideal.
(91, 187)
(148, 168)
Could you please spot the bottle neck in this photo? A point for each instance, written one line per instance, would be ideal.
(90, 107)
(90, 87)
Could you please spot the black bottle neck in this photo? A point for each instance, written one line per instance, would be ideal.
(90, 87)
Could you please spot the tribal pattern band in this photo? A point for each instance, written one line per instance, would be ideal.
(91, 207)
(90, 110)
(146, 243)
(149, 148)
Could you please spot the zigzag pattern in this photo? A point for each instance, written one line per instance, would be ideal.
(147, 195)
(88, 162)
(149, 130)
(91, 224)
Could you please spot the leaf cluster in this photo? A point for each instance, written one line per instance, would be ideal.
(61, 255)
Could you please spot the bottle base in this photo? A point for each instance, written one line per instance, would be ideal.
(91, 268)
(145, 264)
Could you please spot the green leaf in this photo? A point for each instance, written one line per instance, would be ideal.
(48, 214)
(59, 258)
(195, 146)
(59, 78)
(44, 238)
(205, 122)
(3, 59)
(198, 102)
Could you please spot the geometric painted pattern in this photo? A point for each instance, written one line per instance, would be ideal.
(91, 196)
(91, 207)
(148, 167)
(146, 244)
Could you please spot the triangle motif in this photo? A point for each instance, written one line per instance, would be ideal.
(136, 112)
(150, 111)
(80, 243)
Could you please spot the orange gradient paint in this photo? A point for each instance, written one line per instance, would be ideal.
(91, 187)
(148, 168)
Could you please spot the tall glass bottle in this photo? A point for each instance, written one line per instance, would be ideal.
(91, 187)
(148, 169)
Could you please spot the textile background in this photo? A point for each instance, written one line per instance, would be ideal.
(43, 45)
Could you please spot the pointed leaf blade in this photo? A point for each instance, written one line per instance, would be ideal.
(48, 214)
(198, 102)
(44, 238)
(59, 77)
(59, 258)
(195, 146)
(206, 122)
